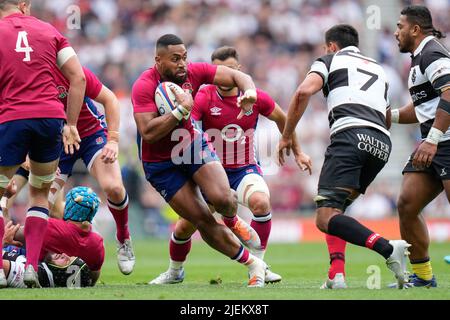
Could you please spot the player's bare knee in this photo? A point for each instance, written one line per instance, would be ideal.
(115, 192)
(225, 204)
(259, 204)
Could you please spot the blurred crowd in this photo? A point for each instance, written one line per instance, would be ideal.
(277, 41)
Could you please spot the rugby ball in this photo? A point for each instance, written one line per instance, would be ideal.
(165, 99)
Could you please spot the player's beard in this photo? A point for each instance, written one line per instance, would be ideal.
(169, 76)
(406, 45)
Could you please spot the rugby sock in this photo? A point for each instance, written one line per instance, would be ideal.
(352, 231)
(230, 222)
(120, 214)
(423, 269)
(35, 227)
(336, 249)
(262, 226)
(178, 249)
(2, 233)
(243, 256)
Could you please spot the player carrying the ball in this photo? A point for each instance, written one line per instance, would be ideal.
(215, 110)
(177, 159)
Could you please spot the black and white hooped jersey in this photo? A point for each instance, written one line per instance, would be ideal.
(429, 74)
(356, 89)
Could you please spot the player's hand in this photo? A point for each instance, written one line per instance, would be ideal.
(184, 98)
(10, 232)
(246, 102)
(110, 152)
(71, 139)
(11, 189)
(303, 161)
(285, 145)
(424, 155)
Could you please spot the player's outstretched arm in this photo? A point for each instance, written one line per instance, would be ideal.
(310, 86)
(228, 77)
(303, 160)
(111, 104)
(153, 128)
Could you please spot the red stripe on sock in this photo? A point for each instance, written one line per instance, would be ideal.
(121, 219)
(335, 246)
(263, 231)
(34, 231)
(372, 239)
(230, 222)
(245, 256)
(179, 252)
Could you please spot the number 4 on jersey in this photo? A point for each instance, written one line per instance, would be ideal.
(22, 39)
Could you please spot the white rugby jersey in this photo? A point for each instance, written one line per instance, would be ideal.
(356, 89)
(430, 72)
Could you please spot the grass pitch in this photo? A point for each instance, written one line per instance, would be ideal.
(303, 267)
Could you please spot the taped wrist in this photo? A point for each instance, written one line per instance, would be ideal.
(434, 136)
(395, 116)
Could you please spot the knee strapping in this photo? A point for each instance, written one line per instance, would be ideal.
(332, 198)
(4, 181)
(249, 185)
(38, 181)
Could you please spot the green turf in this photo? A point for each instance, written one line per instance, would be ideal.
(303, 267)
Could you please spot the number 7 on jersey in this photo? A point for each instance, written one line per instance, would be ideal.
(22, 38)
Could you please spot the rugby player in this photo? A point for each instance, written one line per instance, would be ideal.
(427, 172)
(56, 270)
(215, 110)
(31, 117)
(356, 89)
(73, 235)
(177, 159)
(99, 149)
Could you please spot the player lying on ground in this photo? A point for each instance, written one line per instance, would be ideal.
(427, 172)
(56, 270)
(73, 235)
(31, 117)
(216, 113)
(356, 89)
(177, 159)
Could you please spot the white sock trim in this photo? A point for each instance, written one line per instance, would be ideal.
(263, 218)
(176, 241)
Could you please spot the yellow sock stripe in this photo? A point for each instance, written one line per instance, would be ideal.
(423, 270)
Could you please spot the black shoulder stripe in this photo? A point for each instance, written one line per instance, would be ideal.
(432, 51)
(327, 60)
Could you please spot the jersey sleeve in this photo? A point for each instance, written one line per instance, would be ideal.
(322, 67)
(143, 97)
(63, 48)
(200, 104)
(93, 84)
(437, 69)
(266, 104)
(208, 72)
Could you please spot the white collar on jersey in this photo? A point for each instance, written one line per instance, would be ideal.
(421, 45)
(350, 48)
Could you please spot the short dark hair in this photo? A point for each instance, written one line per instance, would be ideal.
(5, 3)
(343, 34)
(225, 52)
(421, 16)
(168, 40)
